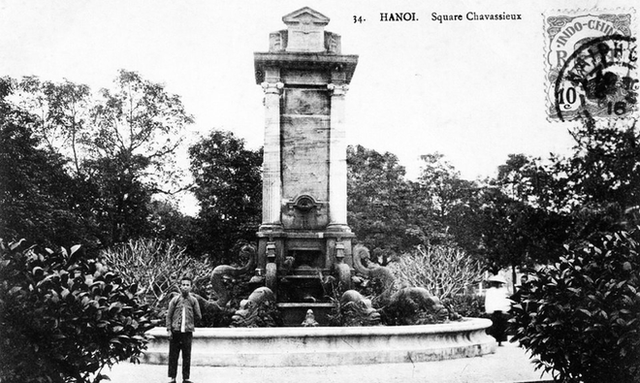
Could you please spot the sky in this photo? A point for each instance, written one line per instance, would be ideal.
(471, 90)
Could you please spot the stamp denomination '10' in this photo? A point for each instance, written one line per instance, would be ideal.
(591, 65)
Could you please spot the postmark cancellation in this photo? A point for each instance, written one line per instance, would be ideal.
(591, 61)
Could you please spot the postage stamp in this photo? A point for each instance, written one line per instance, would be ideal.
(591, 61)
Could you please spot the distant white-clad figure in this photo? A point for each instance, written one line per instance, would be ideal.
(497, 304)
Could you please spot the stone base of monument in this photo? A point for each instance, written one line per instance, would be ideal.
(326, 346)
(293, 314)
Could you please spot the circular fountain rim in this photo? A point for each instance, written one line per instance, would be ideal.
(329, 346)
(466, 324)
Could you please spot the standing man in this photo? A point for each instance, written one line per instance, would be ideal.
(183, 311)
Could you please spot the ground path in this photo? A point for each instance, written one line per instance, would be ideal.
(509, 364)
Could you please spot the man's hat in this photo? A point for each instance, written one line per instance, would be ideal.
(497, 278)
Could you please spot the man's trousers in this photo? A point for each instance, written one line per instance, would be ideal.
(180, 342)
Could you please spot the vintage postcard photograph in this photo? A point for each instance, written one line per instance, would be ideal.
(327, 191)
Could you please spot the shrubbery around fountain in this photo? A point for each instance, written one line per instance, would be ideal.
(257, 340)
(222, 291)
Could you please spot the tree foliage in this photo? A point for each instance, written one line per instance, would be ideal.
(599, 182)
(113, 152)
(580, 313)
(64, 316)
(228, 186)
(141, 124)
(137, 131)
(377, 200)
(532, 209)
(522, 223)
(390, 214)
(63, 110)
(446, 205)
(36, 192)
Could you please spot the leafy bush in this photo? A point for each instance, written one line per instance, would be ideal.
(63, 317)
(581, 316)
(156, 267)
(444, 271)
(467, 305)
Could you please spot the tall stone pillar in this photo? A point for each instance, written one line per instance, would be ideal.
(272, 179)
(338, 160)
(305, 78)
(304, 231)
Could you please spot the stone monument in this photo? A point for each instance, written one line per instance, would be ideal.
(304, 237)
(304, 241)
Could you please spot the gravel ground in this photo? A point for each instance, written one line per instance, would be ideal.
(509, 364)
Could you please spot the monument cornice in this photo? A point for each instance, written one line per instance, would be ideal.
(300, 60)
(273, 88)
(338, 89)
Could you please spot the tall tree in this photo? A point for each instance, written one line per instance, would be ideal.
(36, 193)
(448, 204)
(141, 122)
(228, 186)
(377, 200)
(122, 144)
(539, 208)
(64, 113)
(503, 227)
(593, 191)
(600, 181)
(137, 130)
(520, 223)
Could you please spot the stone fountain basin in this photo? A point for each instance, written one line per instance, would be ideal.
(325, 346)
